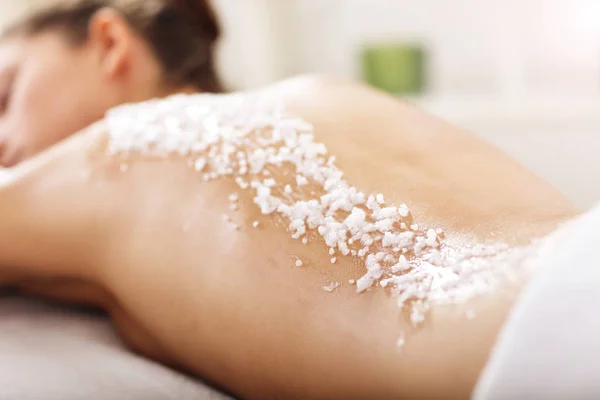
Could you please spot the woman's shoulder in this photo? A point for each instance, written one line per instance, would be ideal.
(315, 87)
(313, 83)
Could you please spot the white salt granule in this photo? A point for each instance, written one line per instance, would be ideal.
(333, 260)
(434, 257)
(331, 287)
(384, 225)
(364, 283)
(431, 237)
(389, 258)
(416, 316)
(246, 138)
(403, 211)
(372, 204)
(200, 164)
(366, 239)
(385, 213)
(241, 183)
(301, 180)
(400, 342)
(255, 224)
(401, 265)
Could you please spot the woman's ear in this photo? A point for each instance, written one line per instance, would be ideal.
(111, 37)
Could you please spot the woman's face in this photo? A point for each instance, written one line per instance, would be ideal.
(50, 89)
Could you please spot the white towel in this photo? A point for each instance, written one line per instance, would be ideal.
(549, 347)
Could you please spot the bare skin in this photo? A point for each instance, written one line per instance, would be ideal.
(229, 305)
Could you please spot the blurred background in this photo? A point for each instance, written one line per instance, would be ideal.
(524, 74)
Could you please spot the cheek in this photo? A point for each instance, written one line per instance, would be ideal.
(52, 104)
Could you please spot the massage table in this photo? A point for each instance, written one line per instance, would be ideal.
(53, 353)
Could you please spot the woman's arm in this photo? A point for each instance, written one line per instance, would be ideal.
(53, 217)
(53, 221)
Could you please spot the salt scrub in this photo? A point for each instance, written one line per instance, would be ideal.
(244, 138)
(331, 287)
(401, 341)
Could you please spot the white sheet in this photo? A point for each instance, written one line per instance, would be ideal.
(549, 347)
(49, 353)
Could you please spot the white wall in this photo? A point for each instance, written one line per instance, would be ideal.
(478, 46)
(10, 9)
(247, 56)
(568, 158)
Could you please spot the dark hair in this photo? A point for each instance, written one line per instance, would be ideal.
(181, 33)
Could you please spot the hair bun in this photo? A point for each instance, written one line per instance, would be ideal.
(201, 14)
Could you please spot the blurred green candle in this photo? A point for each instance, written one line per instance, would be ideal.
(395, 67)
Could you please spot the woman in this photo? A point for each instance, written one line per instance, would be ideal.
(199, 269)
(158, 49)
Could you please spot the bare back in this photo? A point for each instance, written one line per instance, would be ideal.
(221, 289)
